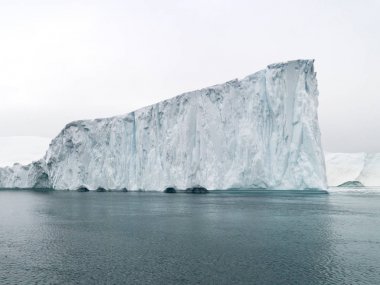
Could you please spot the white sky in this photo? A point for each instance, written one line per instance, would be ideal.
(22, 149)
(63, 60)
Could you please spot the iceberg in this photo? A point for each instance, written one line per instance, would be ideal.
(260, 132)
(362, 168)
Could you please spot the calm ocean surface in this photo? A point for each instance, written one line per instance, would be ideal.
(217, 238)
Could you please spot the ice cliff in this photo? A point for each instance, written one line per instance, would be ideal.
(259, 132)
(355, 167)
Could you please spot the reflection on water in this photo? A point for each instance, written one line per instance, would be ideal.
(218, 238)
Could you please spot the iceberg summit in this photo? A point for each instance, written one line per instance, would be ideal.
(260, 132)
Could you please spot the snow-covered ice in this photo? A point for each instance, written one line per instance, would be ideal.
(259, 132)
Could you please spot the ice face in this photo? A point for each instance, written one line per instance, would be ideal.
(33, 175)
(259, 132)
(361, 167)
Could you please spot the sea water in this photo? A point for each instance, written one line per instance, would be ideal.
(241, 237)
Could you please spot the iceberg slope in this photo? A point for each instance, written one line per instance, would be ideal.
(259, 132)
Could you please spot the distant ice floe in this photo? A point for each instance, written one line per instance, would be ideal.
(353, 170)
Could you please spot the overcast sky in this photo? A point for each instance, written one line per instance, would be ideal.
(63, 60)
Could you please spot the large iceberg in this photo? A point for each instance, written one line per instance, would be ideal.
(258, 132)
(347, 168)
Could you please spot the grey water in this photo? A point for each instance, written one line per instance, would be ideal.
(63, 237)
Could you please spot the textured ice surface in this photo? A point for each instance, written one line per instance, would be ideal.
(33, 175)
(259, 132)
(344, 167)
